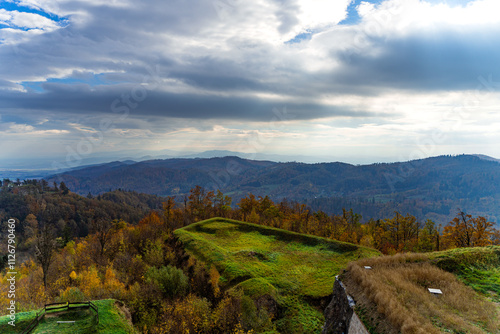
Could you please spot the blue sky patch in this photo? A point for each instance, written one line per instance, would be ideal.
(451, 3)
(33, 86)
(352, 13)
(11, 6)
(14, 6)
(353, 17)
(300, 37)
(95, 80)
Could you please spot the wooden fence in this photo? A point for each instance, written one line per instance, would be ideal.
(62, 307)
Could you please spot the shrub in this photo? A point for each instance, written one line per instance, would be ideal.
(171, 280)
(253, 317)
(144, 302)
(71, 294)
(188, 315)
(153, 253)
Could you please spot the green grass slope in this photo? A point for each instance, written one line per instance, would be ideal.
(289, 266)
(477, 267)
(111, 321)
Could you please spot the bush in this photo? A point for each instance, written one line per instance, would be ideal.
(253, 317)
(171, 280)
(188, 315)
(71, 294)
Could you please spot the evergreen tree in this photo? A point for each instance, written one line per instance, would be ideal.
(64, 189)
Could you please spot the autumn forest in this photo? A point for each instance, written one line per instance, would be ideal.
(120, 245)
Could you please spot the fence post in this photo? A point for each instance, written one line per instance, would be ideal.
(39, 316)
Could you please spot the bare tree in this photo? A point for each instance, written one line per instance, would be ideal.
(104, 230)
(44, 244)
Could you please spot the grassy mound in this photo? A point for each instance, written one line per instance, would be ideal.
(293, 268)
(393, 296)
(477, 267)
(111, 321)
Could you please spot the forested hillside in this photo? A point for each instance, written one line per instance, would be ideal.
(70, 214)
(59, 214)
(432, 188)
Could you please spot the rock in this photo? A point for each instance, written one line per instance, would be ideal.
(338, 313)
(340, 317)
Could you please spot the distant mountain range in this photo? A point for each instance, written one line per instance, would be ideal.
(433, 188)
(32, 167)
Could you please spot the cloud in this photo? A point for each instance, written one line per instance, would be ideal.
(245, 51)
(82, 99)
(8, 85)
(365, 8)
(414, 45)
(322, 12)
(22, 26)
(31, 21)
(447, 60)
(5, 16)
(226, 61)
(26, 129)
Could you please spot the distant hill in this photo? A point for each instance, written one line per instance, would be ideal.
(433, 188)
(162, 177)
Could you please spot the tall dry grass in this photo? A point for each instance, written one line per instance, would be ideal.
(398, 286)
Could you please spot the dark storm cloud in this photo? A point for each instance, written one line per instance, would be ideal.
(81, 99)
(444, 60)
(217, 74)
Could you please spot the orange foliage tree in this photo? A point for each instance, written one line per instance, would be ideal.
(467, 231)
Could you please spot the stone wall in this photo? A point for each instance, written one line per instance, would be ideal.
(340, 317)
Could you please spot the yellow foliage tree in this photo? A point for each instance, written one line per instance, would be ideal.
(113, 287)
(90, 283)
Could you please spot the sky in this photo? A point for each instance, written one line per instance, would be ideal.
(354, 81)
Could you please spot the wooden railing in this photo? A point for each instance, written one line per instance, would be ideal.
(61, 306)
